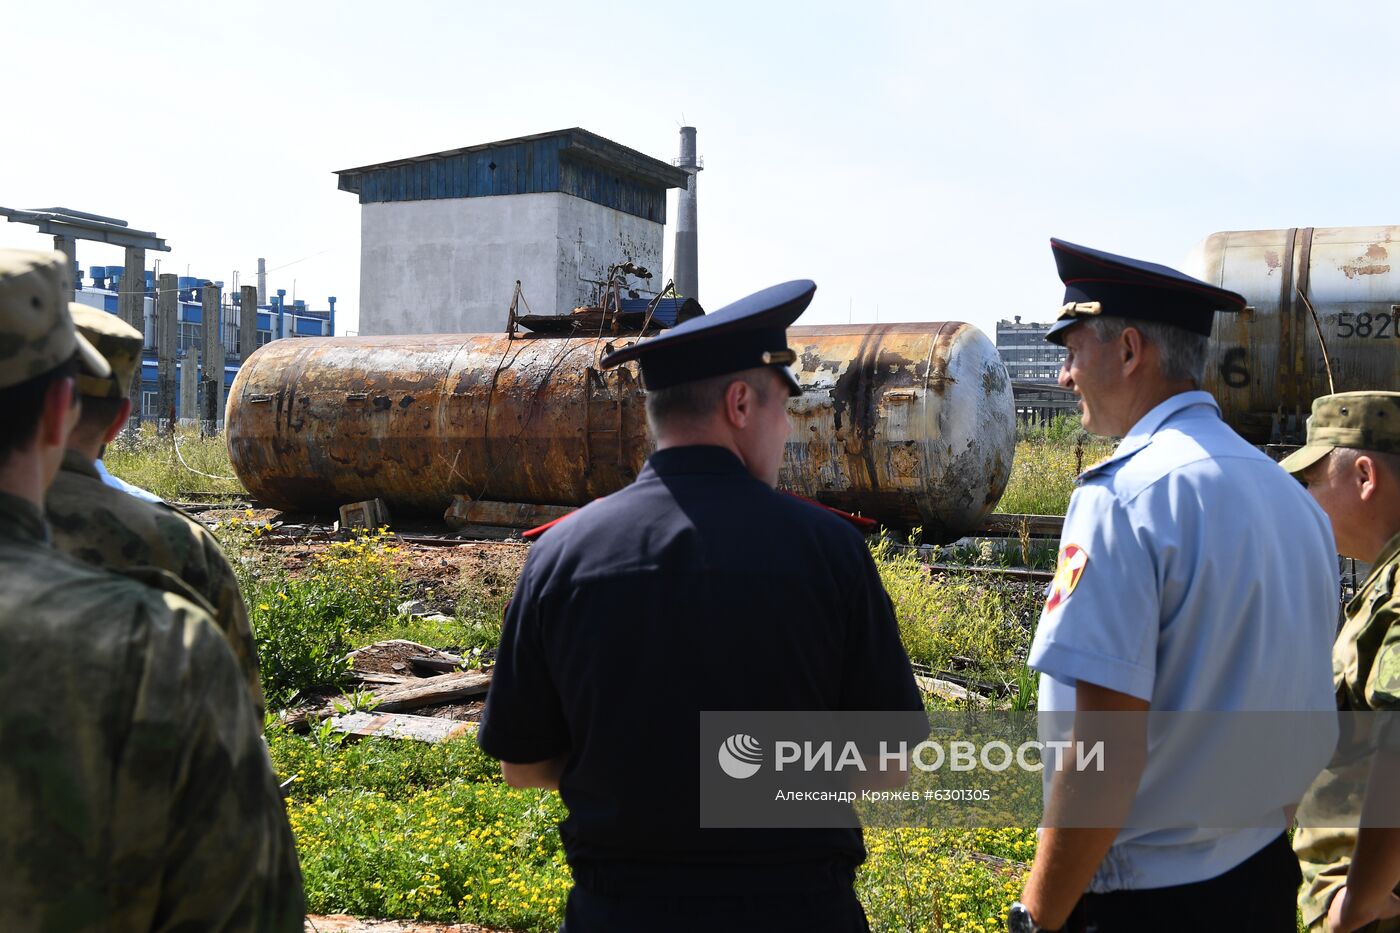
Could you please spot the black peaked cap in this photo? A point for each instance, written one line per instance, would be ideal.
(1099, 283)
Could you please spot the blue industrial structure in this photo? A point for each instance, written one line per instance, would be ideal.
(276, 319)
(668, 312)
(572, 161)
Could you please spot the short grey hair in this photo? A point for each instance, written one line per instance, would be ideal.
(701, 398)
(1183, 352)
(1346, 456)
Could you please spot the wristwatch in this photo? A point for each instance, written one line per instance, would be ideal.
(1021, 921)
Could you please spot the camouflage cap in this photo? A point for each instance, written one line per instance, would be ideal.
(1364, 420)
(36, 328)
(117, 341)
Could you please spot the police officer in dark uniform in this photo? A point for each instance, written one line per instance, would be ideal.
(698, 587)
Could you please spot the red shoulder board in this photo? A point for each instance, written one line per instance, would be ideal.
(864, 525)
(538, 530)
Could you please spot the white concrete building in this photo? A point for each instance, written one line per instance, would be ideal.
(445, 236)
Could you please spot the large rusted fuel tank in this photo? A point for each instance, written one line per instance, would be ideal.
(1266, 364)
(911, 424)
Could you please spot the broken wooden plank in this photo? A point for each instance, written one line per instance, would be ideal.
(432, 691)
(443, 663)
(384, 680)
(945, 690)
(401, 726)
(419, 692)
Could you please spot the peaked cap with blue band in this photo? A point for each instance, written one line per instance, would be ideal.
(1099, 283)
(749, 333)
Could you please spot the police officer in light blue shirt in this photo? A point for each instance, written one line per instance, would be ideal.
(1193, 576)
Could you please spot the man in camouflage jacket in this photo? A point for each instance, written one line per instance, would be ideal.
(101, 525)
(1351, 465)
(136, 793)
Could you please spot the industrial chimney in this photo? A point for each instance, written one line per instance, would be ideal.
(687, 246)
(262, 282)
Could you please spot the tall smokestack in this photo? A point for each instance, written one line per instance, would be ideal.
(262, 281)
(687, 246)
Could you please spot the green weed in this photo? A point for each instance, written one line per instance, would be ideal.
(981, 621)
(305, 625)
(1045, 471)
(151, 462)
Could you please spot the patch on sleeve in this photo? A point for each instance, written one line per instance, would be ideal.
(1385, 677)
(1069, 570)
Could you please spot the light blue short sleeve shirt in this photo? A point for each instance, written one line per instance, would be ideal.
(1194, 574)
(116, 482)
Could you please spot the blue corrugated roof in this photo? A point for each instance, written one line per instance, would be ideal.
(572, 161)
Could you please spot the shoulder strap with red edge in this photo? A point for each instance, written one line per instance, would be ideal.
(863, 525)
(538, 530)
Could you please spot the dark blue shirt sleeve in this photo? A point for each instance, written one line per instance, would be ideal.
(877, 674)
(524, 720)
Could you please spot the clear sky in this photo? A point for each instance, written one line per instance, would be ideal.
(911, 158)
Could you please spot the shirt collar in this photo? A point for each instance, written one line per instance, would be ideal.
(74, 462)
(696, 459)
(22, 520)
(1388, 554)
(1140, 434)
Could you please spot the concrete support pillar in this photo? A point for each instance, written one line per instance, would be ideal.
(131, 308)
(167, 314)
(69, 247)
(189, 388)
(212, 358)
(247, 322)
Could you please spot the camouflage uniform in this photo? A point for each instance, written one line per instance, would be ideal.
(1366, 671)
(1366, 655)
(106, 527)
(135, 790)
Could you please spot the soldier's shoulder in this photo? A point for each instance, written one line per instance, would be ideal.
(188, 523)
(49, 589)
(1389, 576)
(81, 504)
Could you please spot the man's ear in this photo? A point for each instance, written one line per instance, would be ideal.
(1130, 345)
(738, 403)
(1365, 474)
(118, 422)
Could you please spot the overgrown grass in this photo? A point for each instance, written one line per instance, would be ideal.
(957, 621)
(305, 624)
(1045, 470)
(475, 625)
(408, 830)
(151, 462)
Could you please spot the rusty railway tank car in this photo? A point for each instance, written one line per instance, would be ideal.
(1266, 364)
(911, 424)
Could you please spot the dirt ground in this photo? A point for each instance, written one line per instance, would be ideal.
(491, 567)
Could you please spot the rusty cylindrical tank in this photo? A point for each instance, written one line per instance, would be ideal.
(911, 424)
(1266, 364)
